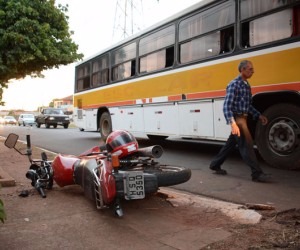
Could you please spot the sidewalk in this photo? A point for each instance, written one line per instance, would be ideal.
(67, 220)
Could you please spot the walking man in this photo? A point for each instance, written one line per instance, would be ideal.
(237, 107)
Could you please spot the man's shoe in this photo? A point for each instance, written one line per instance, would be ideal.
(262, 178)
(218, 170)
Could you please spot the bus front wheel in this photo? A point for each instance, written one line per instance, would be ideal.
(105, 125)
(278, 142)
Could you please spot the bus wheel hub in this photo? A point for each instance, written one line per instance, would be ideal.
(282, 137)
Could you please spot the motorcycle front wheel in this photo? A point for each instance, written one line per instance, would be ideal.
(169, 175)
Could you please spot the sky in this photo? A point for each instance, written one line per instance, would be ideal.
(96, 26)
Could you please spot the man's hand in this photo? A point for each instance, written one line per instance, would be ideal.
(263, 119)
(235, 129)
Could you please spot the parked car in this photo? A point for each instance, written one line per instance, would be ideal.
(26, 119)
(52, 117)
(10, 120)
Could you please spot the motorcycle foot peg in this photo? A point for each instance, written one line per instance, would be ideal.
(118, 210)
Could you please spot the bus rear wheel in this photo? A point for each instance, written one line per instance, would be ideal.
(105, 125)
(278, 142)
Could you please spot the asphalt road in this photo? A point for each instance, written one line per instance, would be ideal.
(237, 187)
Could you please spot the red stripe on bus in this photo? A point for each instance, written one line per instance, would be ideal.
(255, 89)
(287, 86)
(175, 98)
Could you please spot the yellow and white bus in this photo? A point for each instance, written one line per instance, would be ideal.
(170, 79)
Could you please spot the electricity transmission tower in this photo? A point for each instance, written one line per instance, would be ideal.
(128, 18)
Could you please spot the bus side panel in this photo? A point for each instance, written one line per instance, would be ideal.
(161, 119)
(196, 119)
(115, 118)
(78, 118)
(91, 119)
(222, 130)
(129, 118)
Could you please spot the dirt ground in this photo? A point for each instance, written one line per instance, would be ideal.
(277, 229)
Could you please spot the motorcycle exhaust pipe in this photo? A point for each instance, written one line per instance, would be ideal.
(155, 151)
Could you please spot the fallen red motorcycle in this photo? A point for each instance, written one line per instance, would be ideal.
(108, 173)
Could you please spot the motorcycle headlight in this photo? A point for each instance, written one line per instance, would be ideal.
(31, 174)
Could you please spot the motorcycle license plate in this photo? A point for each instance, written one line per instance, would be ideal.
(134, 186)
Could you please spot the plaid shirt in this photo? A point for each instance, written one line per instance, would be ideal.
(238, 100)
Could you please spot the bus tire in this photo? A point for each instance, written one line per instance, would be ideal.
(105, 125)
(278, 142)
(169, 175)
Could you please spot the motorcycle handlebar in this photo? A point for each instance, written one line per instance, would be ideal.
(29, 152)
(155, 151)
(28, 141)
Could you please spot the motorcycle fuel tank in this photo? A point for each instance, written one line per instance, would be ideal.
(63, 169)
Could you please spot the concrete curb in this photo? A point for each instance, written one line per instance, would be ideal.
(5, 179)
(234, 211)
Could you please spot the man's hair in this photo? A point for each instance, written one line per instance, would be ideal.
(243, 64)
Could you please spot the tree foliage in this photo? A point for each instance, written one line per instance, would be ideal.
(34, 36)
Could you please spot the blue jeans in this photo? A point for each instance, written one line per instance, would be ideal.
(245, 146)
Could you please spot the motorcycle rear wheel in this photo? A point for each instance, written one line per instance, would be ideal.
(169, 175)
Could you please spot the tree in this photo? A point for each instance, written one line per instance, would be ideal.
(34, 36)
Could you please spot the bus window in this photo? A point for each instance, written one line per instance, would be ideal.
(227, 40)
(100, 71)
(123, 62)
(271, 28)
(169, 57)
(96, 74)
(250, 8)
(104, 76)
(200, 48)
(204, 22)
(156, 50)
(207, 33)
(296, 21)
(153, 61)
(123, 70)
(83, 77)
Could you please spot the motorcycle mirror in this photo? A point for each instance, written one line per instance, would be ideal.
(11, 140)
